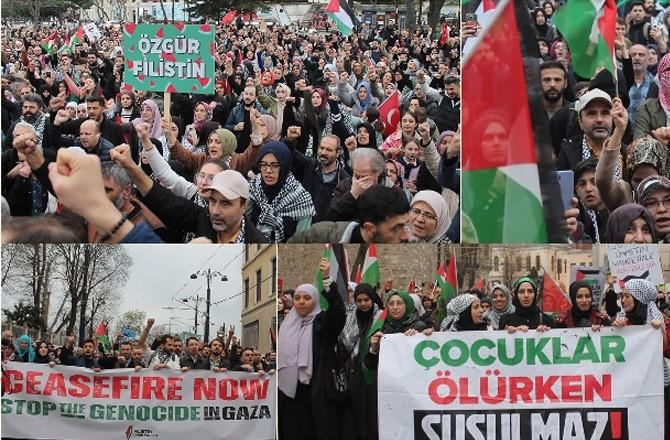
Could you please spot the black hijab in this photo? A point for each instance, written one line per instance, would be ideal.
(622, 217)
(525, 312)
(371, 133)
(465, 322)
(364, 318)
(283, 155)
(203, 137)
(637, 316)
(581, 318)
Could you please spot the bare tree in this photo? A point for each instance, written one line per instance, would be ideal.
(411, 15)
(433, 15)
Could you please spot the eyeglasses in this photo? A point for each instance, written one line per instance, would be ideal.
(274, 166)
(427, 215)
(208, 177)
(653, 205)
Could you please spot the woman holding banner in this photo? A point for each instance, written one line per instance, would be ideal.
(527, 315)
(307, 339)
(638, 300)
(464, 313)
(582, 313)
(501, 304)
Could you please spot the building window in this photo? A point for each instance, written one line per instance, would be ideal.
(496, 264)
(246, 252)
(273, 269)
(246, 293)
(553, 263)
(259, 281)
(537, 262)
(250, 335)
(560, 266)
(527, 262)
(518, 263)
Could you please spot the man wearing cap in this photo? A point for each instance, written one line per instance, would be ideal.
(222, 221)
(594, 110)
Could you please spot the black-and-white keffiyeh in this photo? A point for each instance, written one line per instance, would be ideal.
(163, 357)
(351, 334)
(594, 220)
(292, 201)
(455, 307)
(39, 123)
(586, 154)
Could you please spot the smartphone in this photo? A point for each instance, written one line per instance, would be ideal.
(566, 182)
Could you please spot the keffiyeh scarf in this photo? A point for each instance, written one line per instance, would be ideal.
(292, 201)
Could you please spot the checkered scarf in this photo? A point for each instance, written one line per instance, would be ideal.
(586, 154)
(292, 201)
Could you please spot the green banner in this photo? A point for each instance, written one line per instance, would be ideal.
(174, 58)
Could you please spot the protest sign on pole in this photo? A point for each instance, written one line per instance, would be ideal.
(92, 32)
(174, 58)
(76, 403)
(595, 276)
(570, 383)
(629, 261)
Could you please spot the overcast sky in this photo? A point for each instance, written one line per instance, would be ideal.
(162, 272)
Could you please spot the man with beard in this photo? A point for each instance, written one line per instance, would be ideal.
(639, 25)
(95, 107)
(553, 77)
(643, 79)
(31, 112)
(124, 358)
(221, 221)
(594, 111)
(192, 359)
(448, 114)
(87, 358)
(217, 362)
(239, 120)
(318, 175)
(164, 356)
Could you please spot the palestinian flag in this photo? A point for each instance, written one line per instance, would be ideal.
(342, 15)
(371, 267)
(359, 274)
(588, 27)
(554, 300)
(103, 338)
(71, 42)
(377, 326)
(411, 286)
(447, 281)
(50, 44)
(506, 167)
(337, 271)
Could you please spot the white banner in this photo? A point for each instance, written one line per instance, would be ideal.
(76, 403)
(634, 261)
(92, 31)
(559, 385)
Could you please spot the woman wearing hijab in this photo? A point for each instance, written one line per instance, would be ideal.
(282, 107)
(584, 312)
(630, 223)
(25, 352)
(359, 99)
(527, 315)
(501, 304)
(202, 114)
(221, 145)
(151, 114)
(280, 205)
(306, 341)
(464, 313)
(638, 300)
(352, 339)
(543, 29)
(322, 116)
(394, 171)
(43, 355)
(366, 136)
(428, 218)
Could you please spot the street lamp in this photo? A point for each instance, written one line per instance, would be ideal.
(209, 274)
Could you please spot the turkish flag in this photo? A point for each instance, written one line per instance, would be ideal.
(389, 113)
(553, 298)
(229, 17)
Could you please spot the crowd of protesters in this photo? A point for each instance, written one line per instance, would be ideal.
(165, 351)
(613, 134)
(328, 358)
(291, 147)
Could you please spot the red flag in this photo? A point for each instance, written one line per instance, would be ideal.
(229, 17)
(412, 286)
(480, 284)
(389, 113)
(445, 34)
(359, 274)
(553, 298)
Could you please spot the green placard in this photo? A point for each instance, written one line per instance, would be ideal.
(169, 57)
